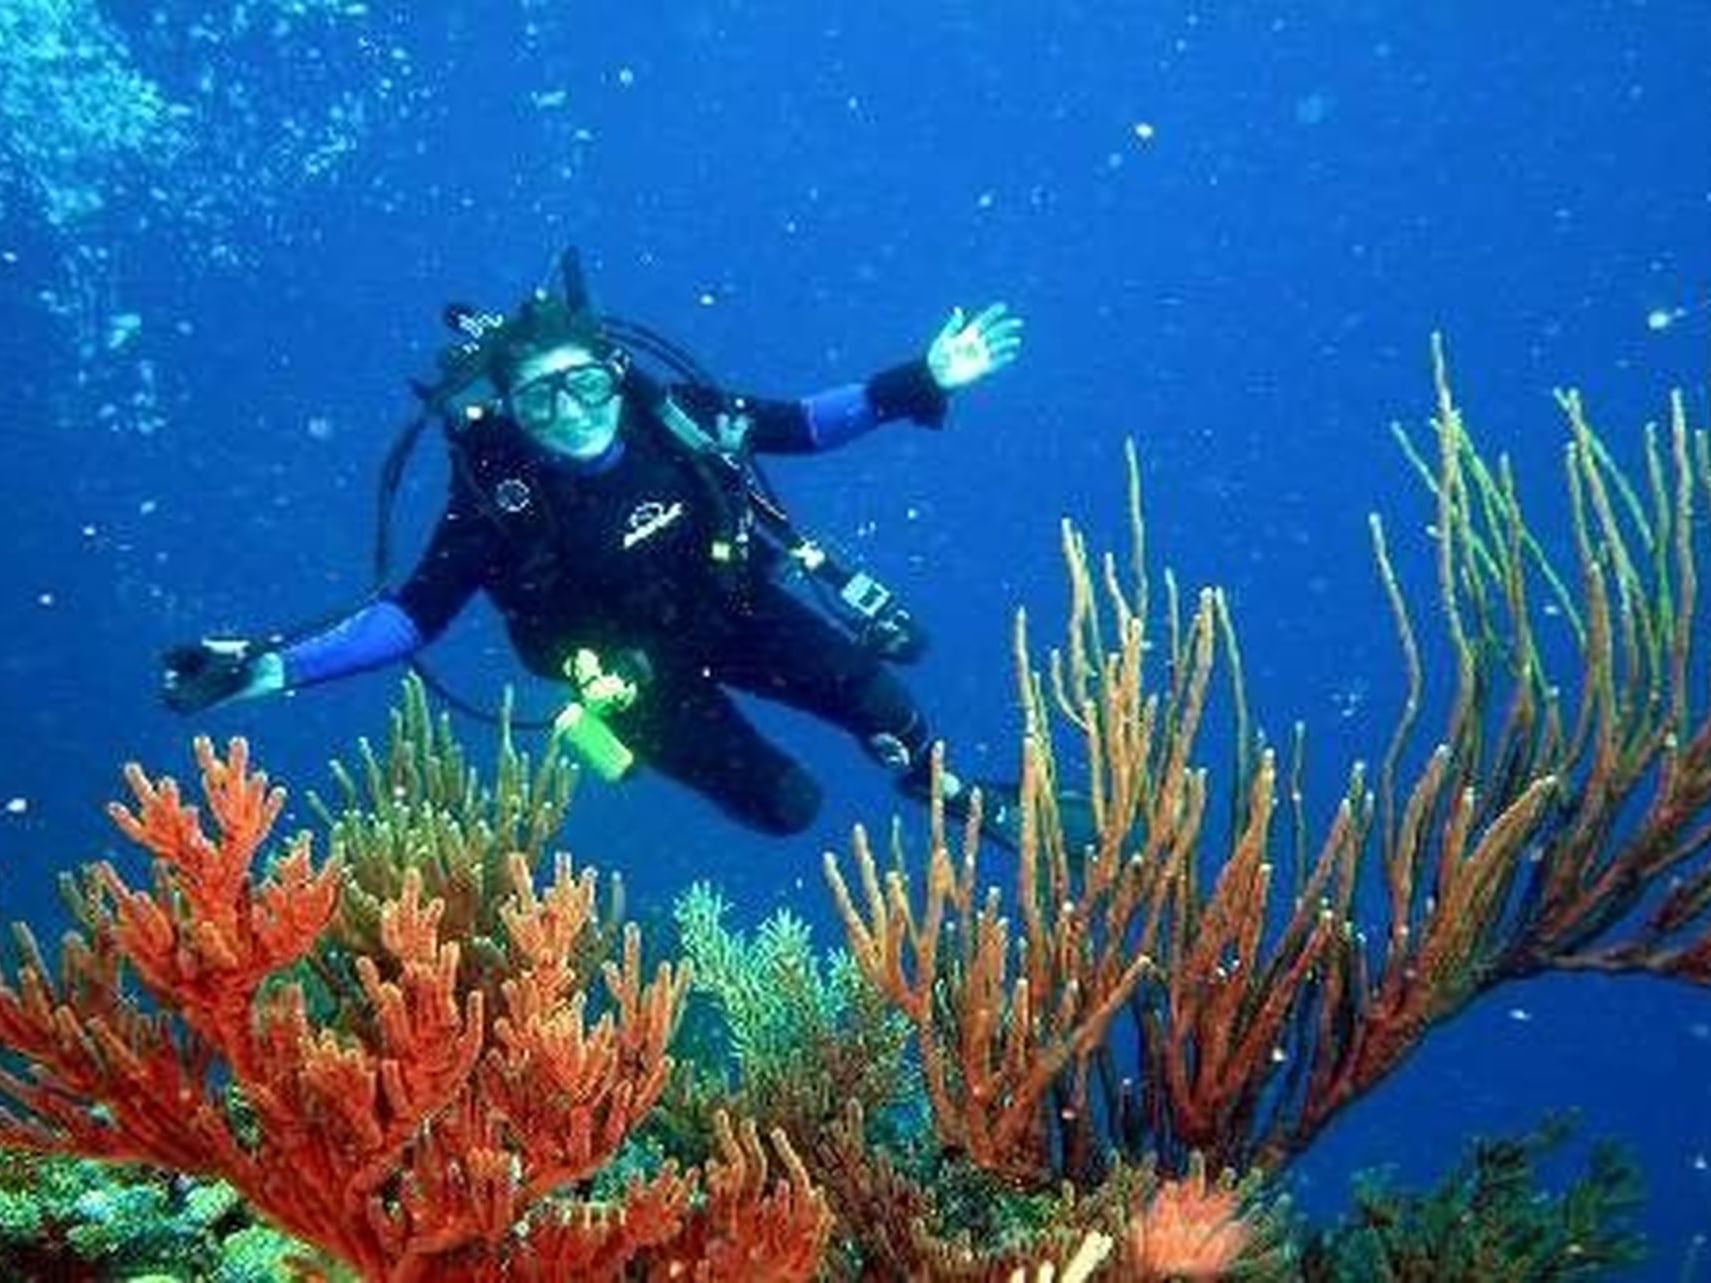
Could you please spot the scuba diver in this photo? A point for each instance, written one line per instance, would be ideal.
(619, 524)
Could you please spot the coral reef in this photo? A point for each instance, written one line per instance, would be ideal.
(806, 1036)
(68, 1219)
(1488, 1221)
(436, 1054)
(421, 806)
(1538, 833)
(418, 1137)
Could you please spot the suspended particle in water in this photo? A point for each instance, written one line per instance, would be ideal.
(1664, 318)
(1314, 108)
(122, 327)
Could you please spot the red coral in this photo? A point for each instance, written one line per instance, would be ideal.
(410, 1138)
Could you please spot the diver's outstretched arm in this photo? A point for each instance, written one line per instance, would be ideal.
(220, 670)
(383, 630)
(963, 352)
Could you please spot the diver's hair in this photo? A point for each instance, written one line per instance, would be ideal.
(543, 322)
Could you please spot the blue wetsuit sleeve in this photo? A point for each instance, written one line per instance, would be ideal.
(837, 415)
(457, 561)
(379, 633)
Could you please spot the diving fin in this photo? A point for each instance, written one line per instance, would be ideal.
(1001, 818)
(1001, 813)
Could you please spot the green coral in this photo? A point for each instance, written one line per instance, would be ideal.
(807, 1033)
(1489, 1220)
(774, 993)
(74, 1218)
(256, 1254)
(421, 806)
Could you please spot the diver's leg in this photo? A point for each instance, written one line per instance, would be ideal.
(789, 653)
(691, 731)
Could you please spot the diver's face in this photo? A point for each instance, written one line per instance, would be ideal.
(567, 399)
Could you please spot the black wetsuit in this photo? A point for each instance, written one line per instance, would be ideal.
(622, 560)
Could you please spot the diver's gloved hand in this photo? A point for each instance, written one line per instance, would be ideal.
(966, 351)
(216, 670)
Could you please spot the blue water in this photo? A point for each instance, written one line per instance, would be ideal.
(1230, 229)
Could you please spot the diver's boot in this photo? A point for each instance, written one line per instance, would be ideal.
(1000, 814)
(1001, 809)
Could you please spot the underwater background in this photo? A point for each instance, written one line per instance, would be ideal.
(227, 231)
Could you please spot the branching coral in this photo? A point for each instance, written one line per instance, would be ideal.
(808, 1034)
(1489, 1220)
(1535, 835)
(411, 1142)
(421, 806)
(949, 1221)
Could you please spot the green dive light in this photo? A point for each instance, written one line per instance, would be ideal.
(594, 742)
(583, 725)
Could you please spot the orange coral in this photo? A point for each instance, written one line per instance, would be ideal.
(1189, 1229)
(749, 1232)
(988, 1071)
(1535, 835)
(409, 1136)
(744, 1231)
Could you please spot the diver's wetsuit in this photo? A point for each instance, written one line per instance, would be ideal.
(617, 556)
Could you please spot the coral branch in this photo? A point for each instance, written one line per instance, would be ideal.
(1528, 839)
(367, 1100)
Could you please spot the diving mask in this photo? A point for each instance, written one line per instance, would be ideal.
(572, 409)
(588, 386)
